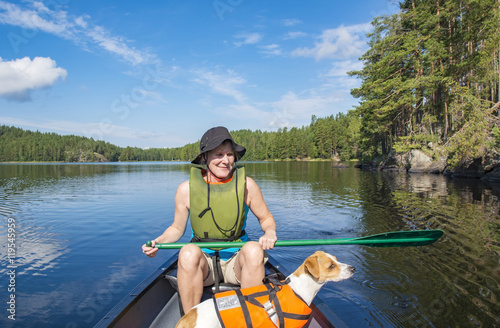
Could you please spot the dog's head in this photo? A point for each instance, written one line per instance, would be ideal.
(324, 267)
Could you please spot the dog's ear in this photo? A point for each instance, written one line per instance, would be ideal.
(312, 266)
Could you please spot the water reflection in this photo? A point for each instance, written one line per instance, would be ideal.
(77, 226)
(446, 284)
(80, 226)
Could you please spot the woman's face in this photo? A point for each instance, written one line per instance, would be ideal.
(221, 160)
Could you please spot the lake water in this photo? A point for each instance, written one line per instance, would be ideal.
(74, 248)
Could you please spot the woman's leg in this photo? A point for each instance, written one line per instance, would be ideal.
(191, 272)
(249, 266)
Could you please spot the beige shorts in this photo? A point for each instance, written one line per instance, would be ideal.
(227, 267)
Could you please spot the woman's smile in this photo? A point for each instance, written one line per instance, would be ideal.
(221, 161)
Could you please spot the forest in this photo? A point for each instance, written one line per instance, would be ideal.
(430, 80)
(432, 77)
(324, 138)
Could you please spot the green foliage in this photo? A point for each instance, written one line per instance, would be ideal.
(471, 140)
(426, 69)
(496, 134)
(27, 146)
(415, 141)
(324, 138)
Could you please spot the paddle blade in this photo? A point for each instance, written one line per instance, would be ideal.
(401, 238)
(387, 239)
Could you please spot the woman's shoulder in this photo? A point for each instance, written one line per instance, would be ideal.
(250, 180)
(251, 185)
(183, 188)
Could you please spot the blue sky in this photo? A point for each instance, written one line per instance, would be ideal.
(160, 73)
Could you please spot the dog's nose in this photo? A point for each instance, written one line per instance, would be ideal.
(352, 269)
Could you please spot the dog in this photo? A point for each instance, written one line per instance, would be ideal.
(306, 281)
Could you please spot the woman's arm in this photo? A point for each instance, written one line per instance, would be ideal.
(255, 201)
(176, 230)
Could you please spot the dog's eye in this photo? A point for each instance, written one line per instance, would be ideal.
(332, 266)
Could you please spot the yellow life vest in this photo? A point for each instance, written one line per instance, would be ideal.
(217, 210)
(254, 307)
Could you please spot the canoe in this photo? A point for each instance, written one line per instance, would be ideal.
(155, 303)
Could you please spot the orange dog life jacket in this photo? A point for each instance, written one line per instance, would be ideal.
(253, 307)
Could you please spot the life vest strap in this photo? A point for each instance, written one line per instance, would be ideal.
(273, 289)
(296, 316)
(205, 239)
(244, 308)
(217, 270)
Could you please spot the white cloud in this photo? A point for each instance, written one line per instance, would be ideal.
(225, 83)
(153, 98)
(288, 110)
(341, 68)
(296, 110)
(247, 38)
(21, 76)
(340, 43)
(245, 112)
(291, 109)
(76, 29)
(98, 131)
(81, 22)
(294, 35)
(337, 79)
(291, 22)
(272, 49)
(66, 127)
(31, 18)
(117, 46)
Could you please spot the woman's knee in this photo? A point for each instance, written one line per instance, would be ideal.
(253, 252)
(190, 257)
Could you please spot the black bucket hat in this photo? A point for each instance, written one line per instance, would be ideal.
(213, 138)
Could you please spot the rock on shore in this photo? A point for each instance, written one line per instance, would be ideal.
(417, 161)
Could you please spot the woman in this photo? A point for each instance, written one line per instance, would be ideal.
(217, 197)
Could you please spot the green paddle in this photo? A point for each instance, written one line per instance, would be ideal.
(387, 239)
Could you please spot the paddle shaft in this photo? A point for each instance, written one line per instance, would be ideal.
(388, 239)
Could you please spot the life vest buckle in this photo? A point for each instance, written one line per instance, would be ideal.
(269, 307)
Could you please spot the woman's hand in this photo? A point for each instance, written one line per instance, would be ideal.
(268, 240)
(150, 251)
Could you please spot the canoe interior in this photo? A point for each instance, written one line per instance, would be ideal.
(154, 302)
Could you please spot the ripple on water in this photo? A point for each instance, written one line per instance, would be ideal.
(404, 302)
(381, 276)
